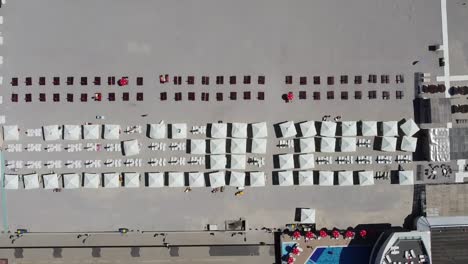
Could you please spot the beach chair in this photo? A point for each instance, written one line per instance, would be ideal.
(139, 96)
(303, 80)
(302, 95)
(219, 79)
(385, 95)
(14, 98)
(233, 96)
(56, 97)
(232, 80)
(191, 80)
(261, 79)
(191, 96)
(111, 97)
(205, 80)
(42, 97)
(288, 79)
(357, 79)
(14, 81)
(330, 95)
(163, 96)
(247, 79)
(330, 80)
(139, 81)
(28, 97)
(125, 96)
(70, 80)
(357, 95)
(219, 96)
(344, 79)
(97, 80)
(28, 81)
(84, 81)
(70, 97)
(42, 81)
(372, 94)
(344, 95)
(246, 95)
(261, 96)
(399, 94)
(56, 81)
(316, 95)
(84, 97)
(178, 96)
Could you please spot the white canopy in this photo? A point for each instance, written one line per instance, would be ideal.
(196, 179)
(325, 178)
(111, 131)
(307, 216)
(328, 129)
(288, 129)
(197, 146)
(369, 128)
(237, 179)
(348, 144)
(390, 128)
(90, 131)
(239, 130)
(176, 179)
(71, 132)
(285, 178)
(50, 181)
(306, 178)
(406, 177)
(259, 130)
(218, 162)
(178, 131)
(238, 145)
(155, 179)
(388, 144)
(366, 178)
(131, 147)
(71, 181)
(307, 145)
(286, 161)
(91, 180)
(11, 182)
(10, 133)
(217, 179)
(348, 129)
(218, 130)
(51, 132)
(217, 146)
(31, 181)
(327, 144)
(409, 143)
(157, 131)
(345, 178)
(409, 127)
(307, 129)
(259, 145)
(131, 179)
(238, 162)
(111, 180)
(257, 179)
(306, 161)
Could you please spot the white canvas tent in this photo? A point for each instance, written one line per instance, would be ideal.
(238, 146)
(31, 181)
(176, 179)
(155, 179)
(111, 180)
(259, 130)
(218, 130)
(259, 145)
(131, 147)
(307, 145)
(218, 162)
(328, 129)
(390, 129)
(406, 177)
(157, 131)
(217, 179)
(345, 178)
(51, 132)
(325, 178)
(348, 129)
(288, 129)
(71, 181)
(307, 216)
(71, 132)
(306, 161)
(237, 162)
(50, 181)
(239, 130)
(388, 144)
(286, 161)
(10, 133)
(217, 146)
(285, 178)
(90, 131)
(111, 132)
(327, 144)
(348, 144)
(237, 179)
(308, 129)
(409, 127)
(178, 131)
(196, 179)
(369, 128)
(11, 182)
(409, 143)
(91, 180)
(131, 179)
(366, 178)
(197, 146)
(257, 179)
(306, 178)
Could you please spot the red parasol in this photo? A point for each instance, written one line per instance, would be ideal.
(349, 234)
(309, 235)
(323, 233)
(336, 233)
(162, 79)
(123, 81)
(296, 251)
(290, 96)
(297, 234)
(98, 96)
(290, 260)
(363, 233)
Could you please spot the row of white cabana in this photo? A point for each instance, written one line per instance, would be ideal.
(132, 180)
(236, 145)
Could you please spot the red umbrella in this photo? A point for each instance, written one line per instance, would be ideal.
(297, 234)
(290, 260)
(323, 233)
(290, 96)
(296, 251)
(336, 233)
(349, 234)
(363, 233)
(309, 235)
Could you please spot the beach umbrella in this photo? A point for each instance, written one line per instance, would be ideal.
(308, 129)
(11, 181)
(409, 127)
(259, 130)
(71, 132)
(349, 234)
(326, 178)
(237, 162)
(131, 147)
(290, 96)
(90, 131)
(71, 181)
(123, 81)
(237, 179)
(328, 129)
(296, 251)
(259, 145)
(286, 161)
(291, 260)
(409, 144)
(307, 216)
(388, 144)
(285, 178)
(196, 179)
(390, 128)
(309, 235)
(155, 179)
(306, 161)
(217, 146)
(348, 128)
(306, 178)
(10, 133)
(178, 131)
(307, 145)
(111, 180)
(348, 144)
(91, 180)
(217, 179)
(336, 234)
(50, 181)
(111, 132)
(218, 130)
(327, 144)
(369, 128)
(31, 181)
(239, 130)
(406, 177)
(366, 178)
(297, 234)
(197, 146)
(238, 145)
(157, 131)
(257, 179)
(323, 233)
(288, 129)
(131, 179)
(345, 178)
(51, 132)
(176, 179)
(218, 162)
(363, 233)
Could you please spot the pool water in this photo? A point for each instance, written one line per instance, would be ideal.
(286, 249)
(340, 255)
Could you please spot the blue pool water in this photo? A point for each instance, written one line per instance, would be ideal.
(340, 255)
(286, 249)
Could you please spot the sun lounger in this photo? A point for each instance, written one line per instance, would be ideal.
(70, 97)
(42, 97)
(302, 95)
(139, 96)
(232, 80)
(191, 96)
(84, 97)
(261, 96)
(247, 95)
(139, 81)
(219, 96)
(219, 80)
(288, 79)
(14, 81)
(125, 96)
(28, 97)
(191, 80)
(97, 80)
(330, 95)
(261, 79)
(163, 96)
(344, 79)
(42, 81)
(28, 81)
(316, 95)
(233, 96)
(303, 80)
(330, 80)
(56, 97)
(247, 79)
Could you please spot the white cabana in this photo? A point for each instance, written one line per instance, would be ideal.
(91, 180)
(287, 129)
(196, 179)
(406, 177)
(155, 179)
(111, 132)
(51, 132)
(388, 144)
(11, 182)
(306, 161)
(325, 178)
(217, 179)
(111, 180)
(197, 146)
(157, 131)
(218, 130)
(409, 143)
(176, 179)
(308, 129)
(239, 130)
(307, 216)
(348, 129)
(259, 130)
(237, 179)
(90, 131)
(31, 181)
(237, 162)
(131, 179)
(217, 146)
(306, 178)
(10, 133)
(218, 162)
(259, 145)
(286, 161)
(366, 178)
(327, 144)
(369, 128)
(238, 146)
(131, 147)
(257, 179)
(71, 181)
(345, 178)
(409, 127)
(348, 144)
(285, 178)
(178, 131)
(307, 145)
(328, 129)
(71, 132)
(390, 129)
(50, 181)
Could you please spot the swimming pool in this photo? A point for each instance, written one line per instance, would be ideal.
(340, 255)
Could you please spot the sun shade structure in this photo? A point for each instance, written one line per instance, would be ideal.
(369, 128)
(257, 179)
(307, 216)
(90, 131)
(179, 131)
(325, 178)
(51, 132)
(50, 181)
(10, 133)
(237, 179)
(131, 179)
(217, 179)
(406, 177)
(366, 178)
(348, 129)
(31, 181)
(218, 162)
(71, 132)
(237, 162)
(259, 146)
(239, 130)
(348, 144)
(197, 146)
(71, 181)
(327, 144)
(259, 130)
(306, 178)
(306, 161)
(196, 179)
(288, 129)
(409, 127)
(307, 129)
(238, 146)
(409, 144)
(111, 180)
(155, 179)
(390, 129)
(388, 144)
(157, 131)
(286, 161)
(307, 145)
(131, 147)
(11, 182)
(285, 178)
(111, 132)
(218, 130)
(328, 129)
(345, 178)
(217, 146)
(91, 180)
(176, 179)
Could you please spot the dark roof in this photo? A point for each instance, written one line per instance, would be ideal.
(449, 245)
(459, 143)
(434, 110)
